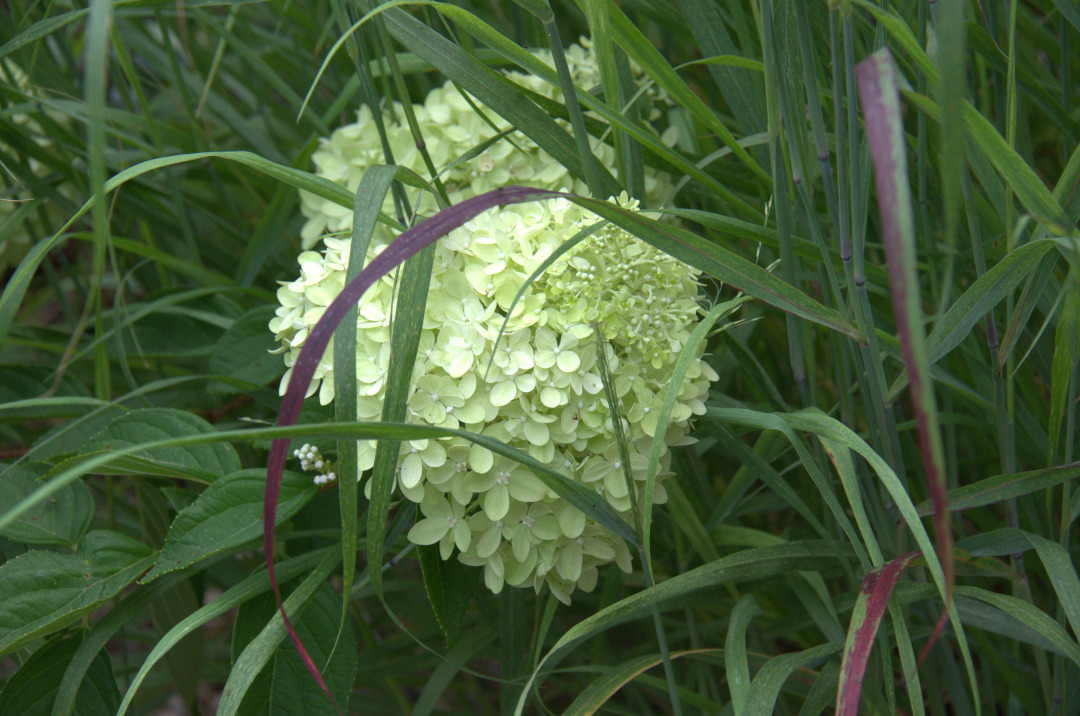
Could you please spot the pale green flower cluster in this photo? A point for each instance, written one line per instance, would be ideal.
(538, 386)
(543, 393)
(453, 127)
(15, 238)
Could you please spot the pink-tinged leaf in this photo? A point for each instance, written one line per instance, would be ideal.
(879, 96)
(874, 595)
(407, 244)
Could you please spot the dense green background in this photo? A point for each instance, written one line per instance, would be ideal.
(143, 320)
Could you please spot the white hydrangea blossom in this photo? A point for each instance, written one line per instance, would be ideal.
(543, 393)
(452, 127)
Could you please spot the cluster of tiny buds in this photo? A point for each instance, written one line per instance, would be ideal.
(311, 459)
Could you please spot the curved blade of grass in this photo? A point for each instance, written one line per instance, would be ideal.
(262, 648)
(870, 606)
(748, 565)
(770, 678)
(782, 424)
(736, 665)
(404, 342)
(601, 689)
(1005, 487)
(824, 426)
(671, 394)
(880, 97)
(1030, 616)
(20, 281)
(370, 194)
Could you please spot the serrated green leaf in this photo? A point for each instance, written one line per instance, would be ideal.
(60, 520)
(205, 463)
(243, 351)
(31, 690)
(227, 514)
(41, 592)
(284, 685)
(450, 587)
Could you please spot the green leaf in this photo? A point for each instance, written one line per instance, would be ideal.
(227, 514)
(243, 351)
(284, 685)
(736, 665)
(205, 463)
(41, 592)
(450, 587)
(1004, 487)
(266, 647)
(31, 691)
(770, 678)
(1066, 356)
(603, 687)
(744, 566)
(258, 583)
(60, 520)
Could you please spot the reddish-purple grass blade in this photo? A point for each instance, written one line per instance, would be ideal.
(407, 244)
(874, 595)
(879, 95)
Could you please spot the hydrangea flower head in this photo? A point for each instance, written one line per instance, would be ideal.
(523, 370)
(543, 392)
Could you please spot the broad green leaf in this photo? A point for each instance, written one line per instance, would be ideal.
(31, 690)
(243, 351)
(41, 592)
(227, 514)
(284, 685)
(204, 463)
(1005, 487)
(258, 583)
(61, 520)
(450, 586)
(265, 647)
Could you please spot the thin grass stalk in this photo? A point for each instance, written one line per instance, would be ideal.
(633, 161)
(882, 424)
(817, 119)
(922, 167)
(780, 198)
(370, 97)
(407, 108)
(573, 108)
